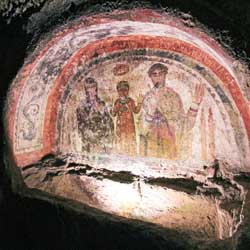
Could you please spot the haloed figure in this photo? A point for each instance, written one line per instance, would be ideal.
(95, 124)
(124, 108)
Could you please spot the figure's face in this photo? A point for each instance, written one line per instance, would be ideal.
(158, 77)
(91, 92)
(123, 92)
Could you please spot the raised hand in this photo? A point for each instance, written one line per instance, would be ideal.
(198, 93)
(109, 108)
(140, 99)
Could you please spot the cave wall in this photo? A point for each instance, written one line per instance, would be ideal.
(108, 242)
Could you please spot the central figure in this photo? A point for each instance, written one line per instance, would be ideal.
(124, 108)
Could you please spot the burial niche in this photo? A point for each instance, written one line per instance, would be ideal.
(138, 115)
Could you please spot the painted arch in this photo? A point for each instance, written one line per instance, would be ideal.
(122, 111)
(40, 97)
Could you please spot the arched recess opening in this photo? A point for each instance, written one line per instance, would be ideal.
(126, 104)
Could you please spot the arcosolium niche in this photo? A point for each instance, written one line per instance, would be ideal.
(138, 115)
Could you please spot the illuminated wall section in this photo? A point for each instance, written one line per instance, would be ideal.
(136, 114)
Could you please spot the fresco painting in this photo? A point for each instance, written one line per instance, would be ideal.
(37, 85)
(134, 113)
(144, 107)
(95, 124)
(125, 108)
(108, 51)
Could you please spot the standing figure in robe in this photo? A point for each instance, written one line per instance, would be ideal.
(95, 124)
(163, 122)
(125, 108)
